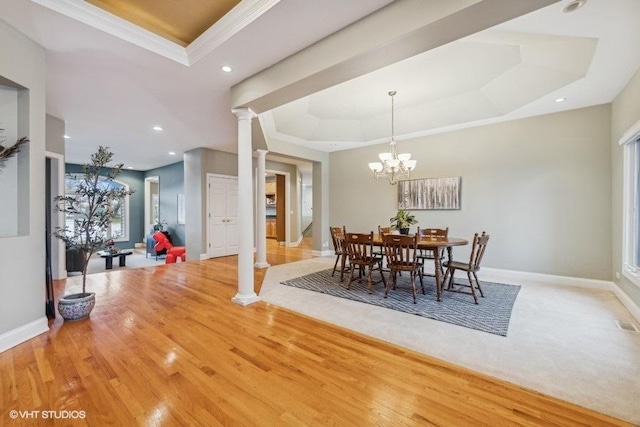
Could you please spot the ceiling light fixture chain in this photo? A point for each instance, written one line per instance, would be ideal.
(393, 165)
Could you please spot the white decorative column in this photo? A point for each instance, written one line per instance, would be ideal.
(261, 212)
(246, 294)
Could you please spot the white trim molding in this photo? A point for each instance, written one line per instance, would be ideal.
(630, 145)
(323, 253)
(510, 276)
(243, 14)
(626, 301)
(492, 274)
(23, 333)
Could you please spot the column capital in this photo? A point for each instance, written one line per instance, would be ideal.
(262, 151)
(243, 113)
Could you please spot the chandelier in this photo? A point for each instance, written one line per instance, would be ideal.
(393, 165)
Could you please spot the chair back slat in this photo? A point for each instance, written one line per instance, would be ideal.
(401, 249)
(338, 241)
(433, 232)
(478, 249)
(359, 245)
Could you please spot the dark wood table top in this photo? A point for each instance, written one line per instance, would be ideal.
(430, 242)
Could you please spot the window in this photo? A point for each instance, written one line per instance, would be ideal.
(119, 227)
(631, 204)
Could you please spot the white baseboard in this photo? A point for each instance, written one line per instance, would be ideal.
(495, 274)
(326, 252)
(491, 274)
(296, 243)
(23, 333)
(204, 256)
(626, 301)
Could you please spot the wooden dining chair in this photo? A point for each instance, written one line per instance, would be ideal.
(339, 250)
(402, 255)
(361, 257)
(472, 267)
(380, 249)
(426, 255)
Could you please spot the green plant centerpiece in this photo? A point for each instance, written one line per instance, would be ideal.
(402, 221)
(93, 205)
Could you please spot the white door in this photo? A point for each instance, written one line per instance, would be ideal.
(223, 216)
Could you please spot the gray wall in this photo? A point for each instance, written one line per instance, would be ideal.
(539, 186)
(625, 112)
(197, 164)
(22, 258)
(171, 179)
(55, 135)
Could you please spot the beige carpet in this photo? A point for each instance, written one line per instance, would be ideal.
(563, 340)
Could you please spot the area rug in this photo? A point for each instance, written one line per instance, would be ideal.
(491, 314)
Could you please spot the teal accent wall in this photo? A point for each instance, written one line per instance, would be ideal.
(171, 183)
(135, 181)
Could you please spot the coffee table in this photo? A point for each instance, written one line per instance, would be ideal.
(109, 256)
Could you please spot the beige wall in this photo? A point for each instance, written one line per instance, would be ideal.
(539, 186)
(625, 111)
(22, 258)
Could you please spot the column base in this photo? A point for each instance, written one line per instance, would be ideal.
(245, 299)
(262, 265)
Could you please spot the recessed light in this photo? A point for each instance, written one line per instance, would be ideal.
(226, 69)
(573, 6)
(66, 137)
(129, 167)
(559, 100)
(172, 153)
(157, 128)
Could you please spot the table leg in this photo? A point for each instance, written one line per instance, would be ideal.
(123, 260)
(436, 262)
(108, 263)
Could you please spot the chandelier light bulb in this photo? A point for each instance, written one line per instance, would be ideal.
(376, 166)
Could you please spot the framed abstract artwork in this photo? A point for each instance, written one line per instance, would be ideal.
(429, 194)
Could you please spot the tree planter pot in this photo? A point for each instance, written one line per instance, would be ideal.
(76, 306)
(404, 230)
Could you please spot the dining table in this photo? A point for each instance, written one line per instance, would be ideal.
(434, 244)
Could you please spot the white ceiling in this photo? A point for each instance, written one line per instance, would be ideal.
(112, 92)
(514, 70)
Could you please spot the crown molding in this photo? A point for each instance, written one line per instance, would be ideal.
(243, 14)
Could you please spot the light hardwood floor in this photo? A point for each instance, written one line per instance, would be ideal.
(165, 346)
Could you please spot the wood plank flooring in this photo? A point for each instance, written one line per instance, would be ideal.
(165, 346)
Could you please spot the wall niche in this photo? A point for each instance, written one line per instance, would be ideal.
(14, 170)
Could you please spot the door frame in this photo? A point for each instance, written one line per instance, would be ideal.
(147, 202)
(287, 204)
(56, 181)
(207, 211)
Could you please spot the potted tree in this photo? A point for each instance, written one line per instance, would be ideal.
(93, 205)
(402, 221)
